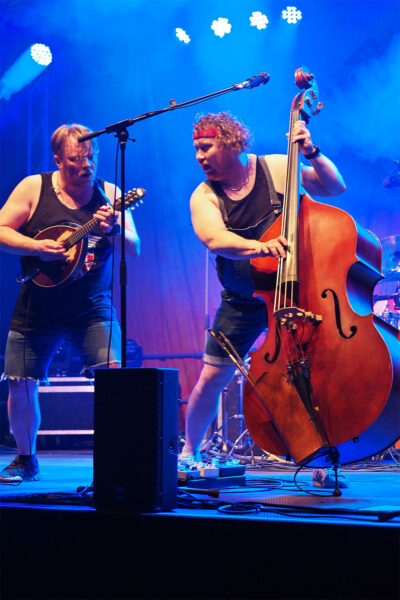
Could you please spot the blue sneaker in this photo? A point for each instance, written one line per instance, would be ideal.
(22, 468)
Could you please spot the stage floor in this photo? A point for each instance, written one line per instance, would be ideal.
(264, 539)
(372, 496)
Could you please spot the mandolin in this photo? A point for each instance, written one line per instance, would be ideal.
(74, 239)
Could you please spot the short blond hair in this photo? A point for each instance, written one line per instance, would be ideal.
(232, 134)
(74, 130)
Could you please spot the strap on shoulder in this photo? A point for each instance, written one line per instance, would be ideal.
(220, 201)
(276, 203)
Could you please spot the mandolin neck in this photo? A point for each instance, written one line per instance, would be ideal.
(80, 233)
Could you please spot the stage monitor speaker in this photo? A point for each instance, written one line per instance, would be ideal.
(136, 439)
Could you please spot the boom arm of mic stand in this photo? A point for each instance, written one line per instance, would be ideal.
(121, 125)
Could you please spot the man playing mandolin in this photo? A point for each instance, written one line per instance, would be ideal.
(230, 211)
(46, 312)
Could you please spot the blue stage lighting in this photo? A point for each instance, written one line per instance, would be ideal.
(258, 19)
(291, 14)
(41, 54)
(221, 26)
(182, 35)
(25, 69)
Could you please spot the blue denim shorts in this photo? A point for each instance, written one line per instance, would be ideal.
(242, 321)
(29, 353)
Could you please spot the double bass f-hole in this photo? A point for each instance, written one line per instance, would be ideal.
(353, 328)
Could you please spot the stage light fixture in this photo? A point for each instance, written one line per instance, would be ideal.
(221, 26)
(258, 19)
(182, 35)
(41, 54)
(25, 69)
(291, 14)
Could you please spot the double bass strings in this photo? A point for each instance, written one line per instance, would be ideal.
(287, 267)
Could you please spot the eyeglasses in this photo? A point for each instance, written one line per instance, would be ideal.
(78, 160)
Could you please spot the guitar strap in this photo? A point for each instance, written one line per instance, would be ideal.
(99, 183)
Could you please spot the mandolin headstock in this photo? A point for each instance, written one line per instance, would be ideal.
(132, 199)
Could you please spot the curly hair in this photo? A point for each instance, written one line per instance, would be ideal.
(75, 130)
(232, 134)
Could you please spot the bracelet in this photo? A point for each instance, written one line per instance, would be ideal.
(116, 230)
(315, 152)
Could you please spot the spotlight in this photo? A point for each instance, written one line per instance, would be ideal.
(221, 26)
(258, 19)
(25, 69)
(41, 54)
(182, 35)
(291, 14)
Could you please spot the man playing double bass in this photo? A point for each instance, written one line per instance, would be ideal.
(230, 211)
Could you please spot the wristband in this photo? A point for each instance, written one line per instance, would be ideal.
(315, 152)
(116, 230)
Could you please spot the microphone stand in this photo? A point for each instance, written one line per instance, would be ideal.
(121, 132)
(123, 137)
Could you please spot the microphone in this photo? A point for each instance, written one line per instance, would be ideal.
(254, 81)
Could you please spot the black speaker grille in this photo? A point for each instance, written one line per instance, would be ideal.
(135, 433)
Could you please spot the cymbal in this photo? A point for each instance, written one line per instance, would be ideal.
(391, 257)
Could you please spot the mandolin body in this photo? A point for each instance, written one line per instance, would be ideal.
(56, 272)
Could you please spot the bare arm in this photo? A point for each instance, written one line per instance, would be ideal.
(17, 211)
(322, 178)
(322, 169)
(211, 231)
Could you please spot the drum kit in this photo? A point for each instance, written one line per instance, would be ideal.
(387, 291)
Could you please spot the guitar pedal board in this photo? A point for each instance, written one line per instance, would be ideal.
(216, 474)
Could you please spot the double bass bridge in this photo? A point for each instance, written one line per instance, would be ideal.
(290, 316)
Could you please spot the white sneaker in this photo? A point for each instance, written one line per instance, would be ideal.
(325, 478)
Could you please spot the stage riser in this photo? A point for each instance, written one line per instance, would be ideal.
(104, 555)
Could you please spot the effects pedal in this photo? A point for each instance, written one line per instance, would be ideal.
(216, 474)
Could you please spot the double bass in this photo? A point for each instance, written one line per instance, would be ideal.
(324, 386)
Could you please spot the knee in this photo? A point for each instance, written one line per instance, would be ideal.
(20, 388)
(214, 380)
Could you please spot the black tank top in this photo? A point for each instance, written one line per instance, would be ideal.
(249, 217)
(89, 296)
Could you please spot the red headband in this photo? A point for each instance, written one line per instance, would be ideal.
(206, 132)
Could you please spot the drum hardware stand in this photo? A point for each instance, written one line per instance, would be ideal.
(220, 444)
